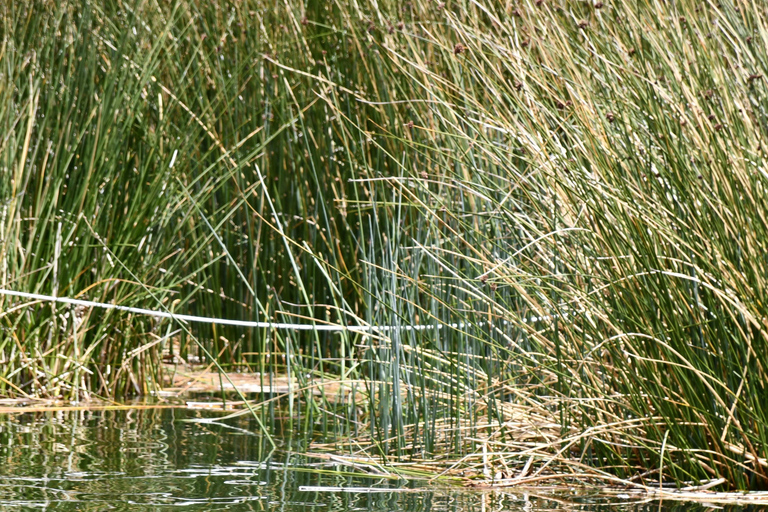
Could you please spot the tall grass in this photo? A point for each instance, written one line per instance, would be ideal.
(570, 194)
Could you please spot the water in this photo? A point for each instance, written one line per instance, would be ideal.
(152, 459)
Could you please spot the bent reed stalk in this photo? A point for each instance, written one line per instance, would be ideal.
(464, 164)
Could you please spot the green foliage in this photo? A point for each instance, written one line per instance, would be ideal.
(571, 194)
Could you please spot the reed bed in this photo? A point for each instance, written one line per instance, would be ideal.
(568, 199)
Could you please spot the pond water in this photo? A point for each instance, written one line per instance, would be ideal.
(153, 459)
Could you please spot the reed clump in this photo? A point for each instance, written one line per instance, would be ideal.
(567, 197)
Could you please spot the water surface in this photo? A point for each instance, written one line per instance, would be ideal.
(152, 459)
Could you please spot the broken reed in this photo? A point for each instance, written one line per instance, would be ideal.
(599, 167)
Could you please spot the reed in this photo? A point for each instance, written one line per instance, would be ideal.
(572, 196)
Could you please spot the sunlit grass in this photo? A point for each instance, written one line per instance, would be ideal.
(574, 192)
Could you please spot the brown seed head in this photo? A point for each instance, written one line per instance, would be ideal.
(583, 24)
(424, 175)
(610, 117)
(304, 21)
(459, 48)
(598, 5)
(409, 124)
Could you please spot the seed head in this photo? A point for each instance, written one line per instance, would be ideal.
(459, 48)
(583, 24)
(598, 5)
(610, 117)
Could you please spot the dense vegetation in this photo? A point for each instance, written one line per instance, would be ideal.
(573, 192)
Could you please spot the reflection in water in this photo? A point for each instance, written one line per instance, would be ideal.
(150, 459)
